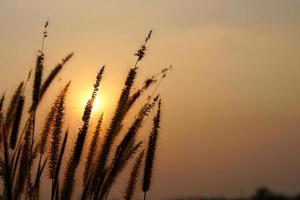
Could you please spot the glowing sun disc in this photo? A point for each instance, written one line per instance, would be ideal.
(97, 105)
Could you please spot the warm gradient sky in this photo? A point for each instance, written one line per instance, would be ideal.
(231, 113)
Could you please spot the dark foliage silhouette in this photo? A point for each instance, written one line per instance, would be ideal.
(25, 151)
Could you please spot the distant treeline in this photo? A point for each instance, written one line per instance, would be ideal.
(262, 193)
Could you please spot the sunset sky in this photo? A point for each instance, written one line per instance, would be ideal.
(231, 106)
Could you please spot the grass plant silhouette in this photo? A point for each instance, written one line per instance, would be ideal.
(25, 152)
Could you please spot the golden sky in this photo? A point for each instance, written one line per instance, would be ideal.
(231, 109)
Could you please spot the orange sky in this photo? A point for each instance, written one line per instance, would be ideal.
(231, 109)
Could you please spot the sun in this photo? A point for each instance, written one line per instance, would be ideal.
(97, 103)
(97, 106)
